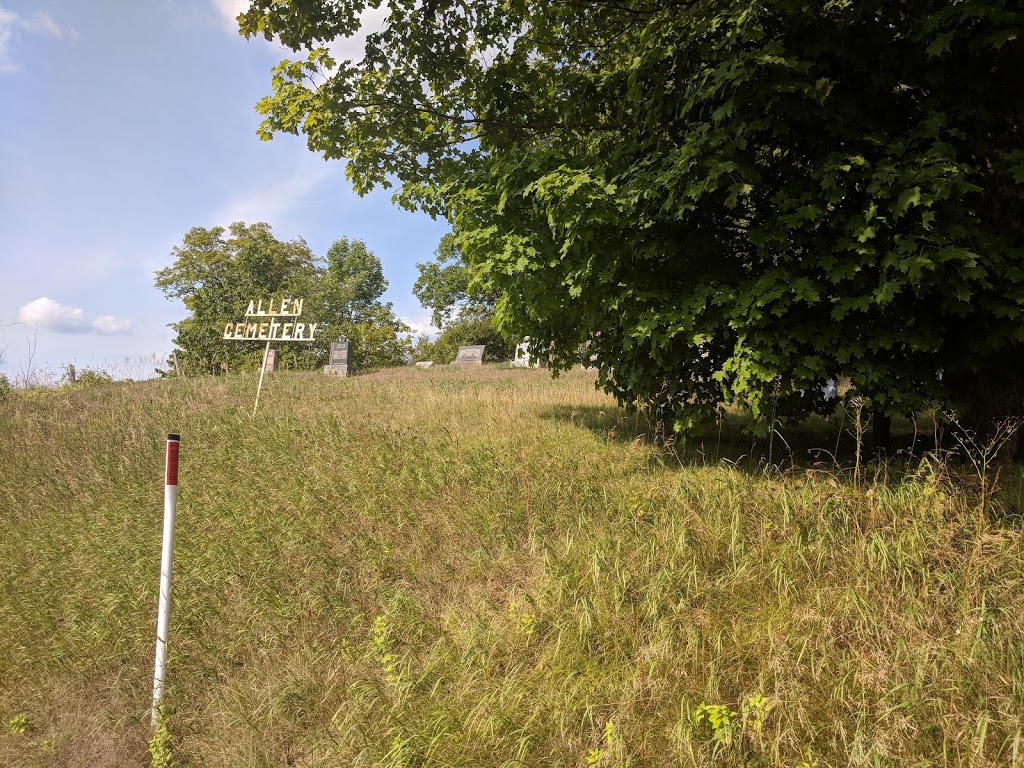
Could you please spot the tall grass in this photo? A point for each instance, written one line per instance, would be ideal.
(485, 568)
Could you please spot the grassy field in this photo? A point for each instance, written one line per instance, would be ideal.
(487, 568)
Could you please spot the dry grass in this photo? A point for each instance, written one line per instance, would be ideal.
(484, 568)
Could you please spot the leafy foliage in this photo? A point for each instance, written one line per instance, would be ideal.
(459, 305)
(446, 286)
(463, 332)
(216, 273)
(346, 294)
(91, 377)
(728, 199)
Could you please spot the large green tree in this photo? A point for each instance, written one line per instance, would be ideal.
(348, 295)
(461, 306)
(729, 199)
(447, 288)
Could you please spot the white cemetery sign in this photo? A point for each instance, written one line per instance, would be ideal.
(274, 320)
(262, 323)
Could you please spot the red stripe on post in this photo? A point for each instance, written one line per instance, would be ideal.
(173, 445)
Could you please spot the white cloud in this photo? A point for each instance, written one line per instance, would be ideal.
(48, 315)
(7, 21)
(11, 24)
(420, 324)
(108, 324)
(370, 20)
(43, 24)
(229, 11)
(270, 201)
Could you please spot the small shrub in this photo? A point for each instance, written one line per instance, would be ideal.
(719, 720)
(19, 724)
(91, 378)
(160, 745)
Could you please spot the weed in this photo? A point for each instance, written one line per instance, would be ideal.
(161, 743)
(718, 720)
(597, 755)
(982, 452)
(19, 724)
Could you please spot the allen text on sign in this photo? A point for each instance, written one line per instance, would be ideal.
(272, 320)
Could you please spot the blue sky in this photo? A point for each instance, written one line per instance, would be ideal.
(123, 125)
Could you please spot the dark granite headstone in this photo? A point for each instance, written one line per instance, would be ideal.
(339, 359)
(339, 353)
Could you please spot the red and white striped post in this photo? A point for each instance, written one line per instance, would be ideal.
(166, 563)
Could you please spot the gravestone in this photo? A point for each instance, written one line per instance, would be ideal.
(522, 357)
(425, 364)
(470, 356)
(271, 363)
(589, 361)
(339, 361)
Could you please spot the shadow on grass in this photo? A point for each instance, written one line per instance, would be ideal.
(813, 443)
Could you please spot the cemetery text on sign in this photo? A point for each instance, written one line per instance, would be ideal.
(271, 322)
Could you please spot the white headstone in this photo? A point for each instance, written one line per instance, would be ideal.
(522, 357)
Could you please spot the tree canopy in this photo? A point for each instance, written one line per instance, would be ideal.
(446, 286)
(348, 296)
(459, 305)
(217, 272)
(729, 200)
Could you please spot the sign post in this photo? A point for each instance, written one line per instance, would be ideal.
(263, 370)
(274, 320)
(166, 565)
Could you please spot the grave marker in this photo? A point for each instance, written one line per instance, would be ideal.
(271, 363)
(339, 361)
(523, 359)
(470, 356)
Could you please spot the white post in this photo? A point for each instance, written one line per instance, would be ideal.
(166, 563)
(259, 387)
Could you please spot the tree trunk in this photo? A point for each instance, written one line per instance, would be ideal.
(881, 433)
(993, 398)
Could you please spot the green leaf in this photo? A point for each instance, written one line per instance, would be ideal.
(908, 199)
(940, 44)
